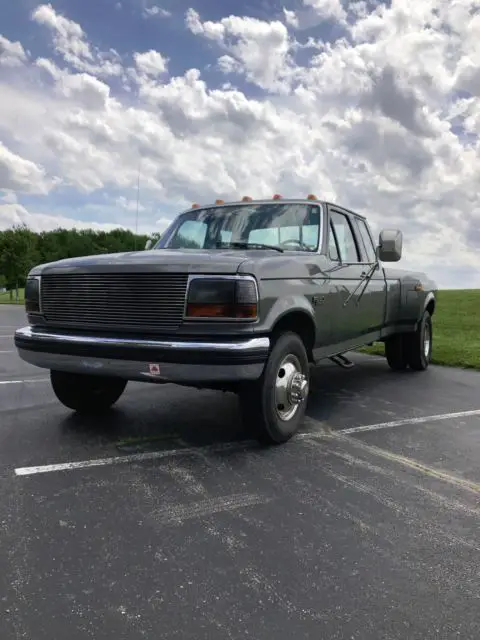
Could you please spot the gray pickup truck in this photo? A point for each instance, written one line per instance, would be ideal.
(242, 297)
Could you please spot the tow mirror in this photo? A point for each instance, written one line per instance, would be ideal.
(148, 244)
(390, 245)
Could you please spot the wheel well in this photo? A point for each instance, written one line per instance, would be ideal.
(431, 307)
(301, 324)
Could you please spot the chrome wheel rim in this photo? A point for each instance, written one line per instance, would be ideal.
(426, 341)
(291, 387)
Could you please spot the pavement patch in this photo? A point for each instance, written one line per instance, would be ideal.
(203, 508)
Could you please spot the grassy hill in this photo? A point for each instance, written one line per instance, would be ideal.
(456, 328)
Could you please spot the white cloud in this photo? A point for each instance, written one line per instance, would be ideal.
(129, 205)
(327, 9)
(12, 54)
(16, 214)
(291, 18)
(257, 48)
(372, 120)
(8, 197)
(19, 174)
(156, 12)
(151, 63)
(70, 42)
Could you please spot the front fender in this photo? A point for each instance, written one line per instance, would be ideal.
(428, 299)
(284, 306)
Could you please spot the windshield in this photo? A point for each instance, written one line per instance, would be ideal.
(288, 226)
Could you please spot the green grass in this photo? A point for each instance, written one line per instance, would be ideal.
(5, 297)
(456, 330)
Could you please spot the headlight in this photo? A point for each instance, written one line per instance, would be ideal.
(234, 298)
(32, 295)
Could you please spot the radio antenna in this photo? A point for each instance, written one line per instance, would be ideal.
(138, 202)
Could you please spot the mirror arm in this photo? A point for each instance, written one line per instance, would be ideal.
(364, 282)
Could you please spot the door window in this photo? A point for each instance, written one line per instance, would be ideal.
(366, 239)
(332, 245)
(347, 246)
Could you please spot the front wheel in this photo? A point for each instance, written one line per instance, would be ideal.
(274, 406)
(84, 393)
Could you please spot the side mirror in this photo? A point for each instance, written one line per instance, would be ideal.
(390, 245)
(148, 244)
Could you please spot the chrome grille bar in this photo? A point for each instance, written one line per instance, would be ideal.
(152, 301)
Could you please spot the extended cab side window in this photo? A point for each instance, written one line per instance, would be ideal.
(345, 238)
(332, 245)
(366, 239)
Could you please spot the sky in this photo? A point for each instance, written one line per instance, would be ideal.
(375, 106)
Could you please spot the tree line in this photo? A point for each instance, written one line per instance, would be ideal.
(21, 249)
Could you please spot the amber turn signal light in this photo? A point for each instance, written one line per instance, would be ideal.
(245, 311)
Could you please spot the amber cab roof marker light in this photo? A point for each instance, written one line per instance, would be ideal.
(195, 205)
(246, 199)
(218, 201)
(312, 196)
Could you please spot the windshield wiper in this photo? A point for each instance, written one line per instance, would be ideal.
(248, 245)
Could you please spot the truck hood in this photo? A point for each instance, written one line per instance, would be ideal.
(157, 260)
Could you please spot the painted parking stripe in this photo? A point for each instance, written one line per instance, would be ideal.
(409, 421)
(7, 351)
(27, 381)
(229, 446)
(440, 474)
(136, 457)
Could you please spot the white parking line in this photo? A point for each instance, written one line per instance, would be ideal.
(7, 335)
(135, 457)
(34, 380)
(7, 351)
(218, 448)
(406, 421)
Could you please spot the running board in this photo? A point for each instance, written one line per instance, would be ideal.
(342, 361)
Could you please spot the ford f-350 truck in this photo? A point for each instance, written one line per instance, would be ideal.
(241, 296)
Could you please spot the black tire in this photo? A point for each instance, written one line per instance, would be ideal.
(271, 421)
(86, 394)
(418, 345)
(395, 352)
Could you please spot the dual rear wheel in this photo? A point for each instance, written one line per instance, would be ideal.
(412, 350)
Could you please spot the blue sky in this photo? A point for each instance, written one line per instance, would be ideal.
(366, 103)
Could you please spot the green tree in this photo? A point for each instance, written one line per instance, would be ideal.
(18, 251)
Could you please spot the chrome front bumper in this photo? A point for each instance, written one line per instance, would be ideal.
(161, 361)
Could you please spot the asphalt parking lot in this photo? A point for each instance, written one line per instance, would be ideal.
(161, 521)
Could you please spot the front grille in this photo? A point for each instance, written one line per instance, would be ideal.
(130, 301)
